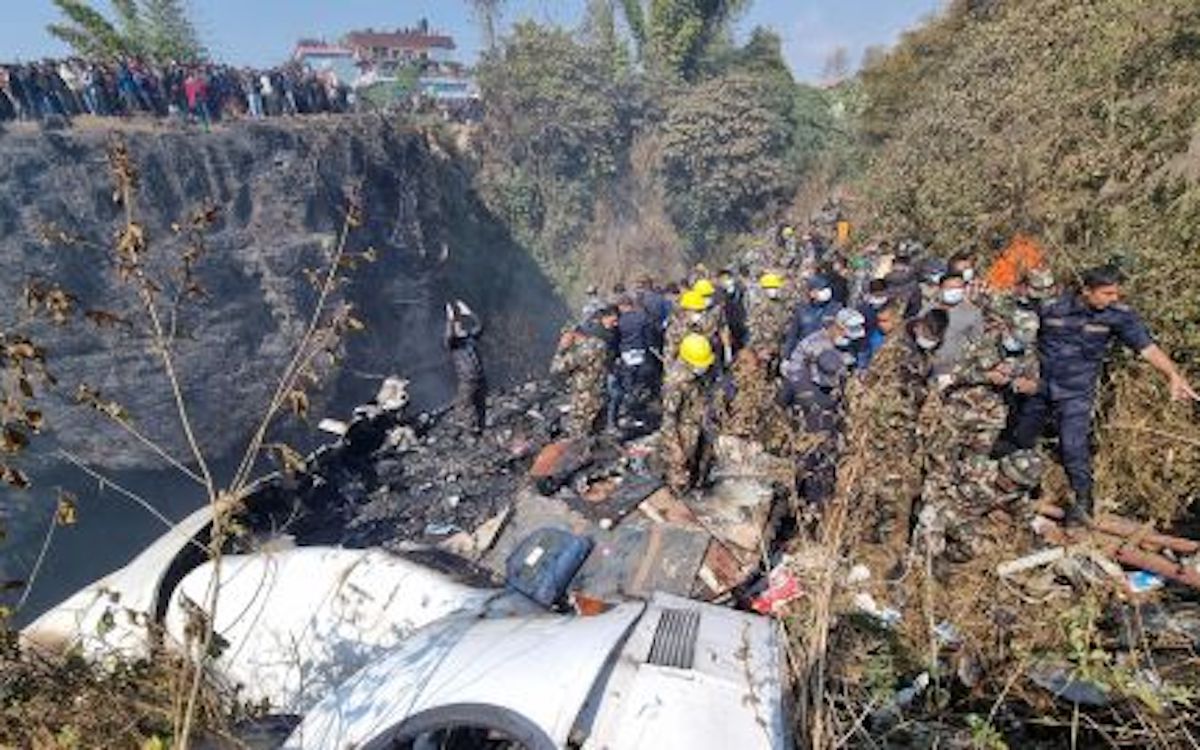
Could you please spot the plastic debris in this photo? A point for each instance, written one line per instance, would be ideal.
(782, 587)
(1060, 680)
(1141, 582)
(889, 617)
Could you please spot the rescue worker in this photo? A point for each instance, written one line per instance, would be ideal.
(882, 408)
(462, 332)
(693, 404)
(933, 270)
(847, 328)
(810, 317)
(584, 357)
(963, 265)
(903, 282)
(629, 377)
(990, 505)
(1075, 336)
(998, 365)
(754, 411)
(592, 304)
(767, 318)
(657, 306)
(815, 375)
(875, 302)
(694, 314)
(731, 296)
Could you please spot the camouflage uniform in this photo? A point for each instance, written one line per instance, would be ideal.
(692, 409)
(754, 410)
(882, 408)
(710, 324)
(973, 411)
(959, 529)
(584, 359)
(767, 321)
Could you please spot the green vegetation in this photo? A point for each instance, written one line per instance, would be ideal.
(1074, 122)
(591, 150)
(157, 30)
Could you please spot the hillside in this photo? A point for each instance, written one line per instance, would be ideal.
(1075, 122)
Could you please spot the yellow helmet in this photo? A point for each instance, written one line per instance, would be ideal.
(693, 300)
(704, 287)
(789, 232)
(771, 281)
(697, 352)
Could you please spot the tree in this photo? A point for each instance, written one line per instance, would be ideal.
(837, 66)
(169, 32)
(88, 32)
(488, 12)
(159, 30)
(726, 149)
(674, 35)
(557, 131)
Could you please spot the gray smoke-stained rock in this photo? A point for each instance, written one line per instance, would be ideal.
(282, 191)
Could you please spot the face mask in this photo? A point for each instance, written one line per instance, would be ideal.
(729, 285)
(927, 344)
(772, 294)
(953, 296)
(877, 302)
(842, 342)
(1012, 345)
(822, 295)
(968, 274)
(699, 372)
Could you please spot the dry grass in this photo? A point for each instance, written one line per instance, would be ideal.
(69, 703)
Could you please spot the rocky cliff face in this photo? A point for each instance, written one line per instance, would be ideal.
(281, 190)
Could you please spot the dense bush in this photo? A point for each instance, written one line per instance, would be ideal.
(1075, 121)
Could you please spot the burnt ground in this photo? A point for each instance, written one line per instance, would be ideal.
(393, 480)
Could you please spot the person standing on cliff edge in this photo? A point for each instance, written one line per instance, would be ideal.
(463, 329)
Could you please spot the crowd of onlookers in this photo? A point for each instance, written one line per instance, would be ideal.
(205, 93)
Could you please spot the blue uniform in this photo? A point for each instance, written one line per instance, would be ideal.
(1073, 343)
(809, 318)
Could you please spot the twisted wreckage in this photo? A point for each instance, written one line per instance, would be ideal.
(410, 582)
(413, 583)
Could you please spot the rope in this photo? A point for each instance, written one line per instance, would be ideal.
(37, 565)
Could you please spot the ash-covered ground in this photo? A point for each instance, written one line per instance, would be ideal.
(397, 478)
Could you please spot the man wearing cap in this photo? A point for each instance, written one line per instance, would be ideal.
(592, 303)
(814, 378)
(801, 369)
(585, 358)
(1074, 339)
(817, 312)
(989, 505)
(767, 319)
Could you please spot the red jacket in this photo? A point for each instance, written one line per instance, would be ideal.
(195, 88)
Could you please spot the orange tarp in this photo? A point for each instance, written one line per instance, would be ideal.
(1022, 254)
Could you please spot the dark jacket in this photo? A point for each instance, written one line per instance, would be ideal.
(1074, 340)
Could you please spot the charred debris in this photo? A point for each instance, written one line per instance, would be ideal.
(1055, 635)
